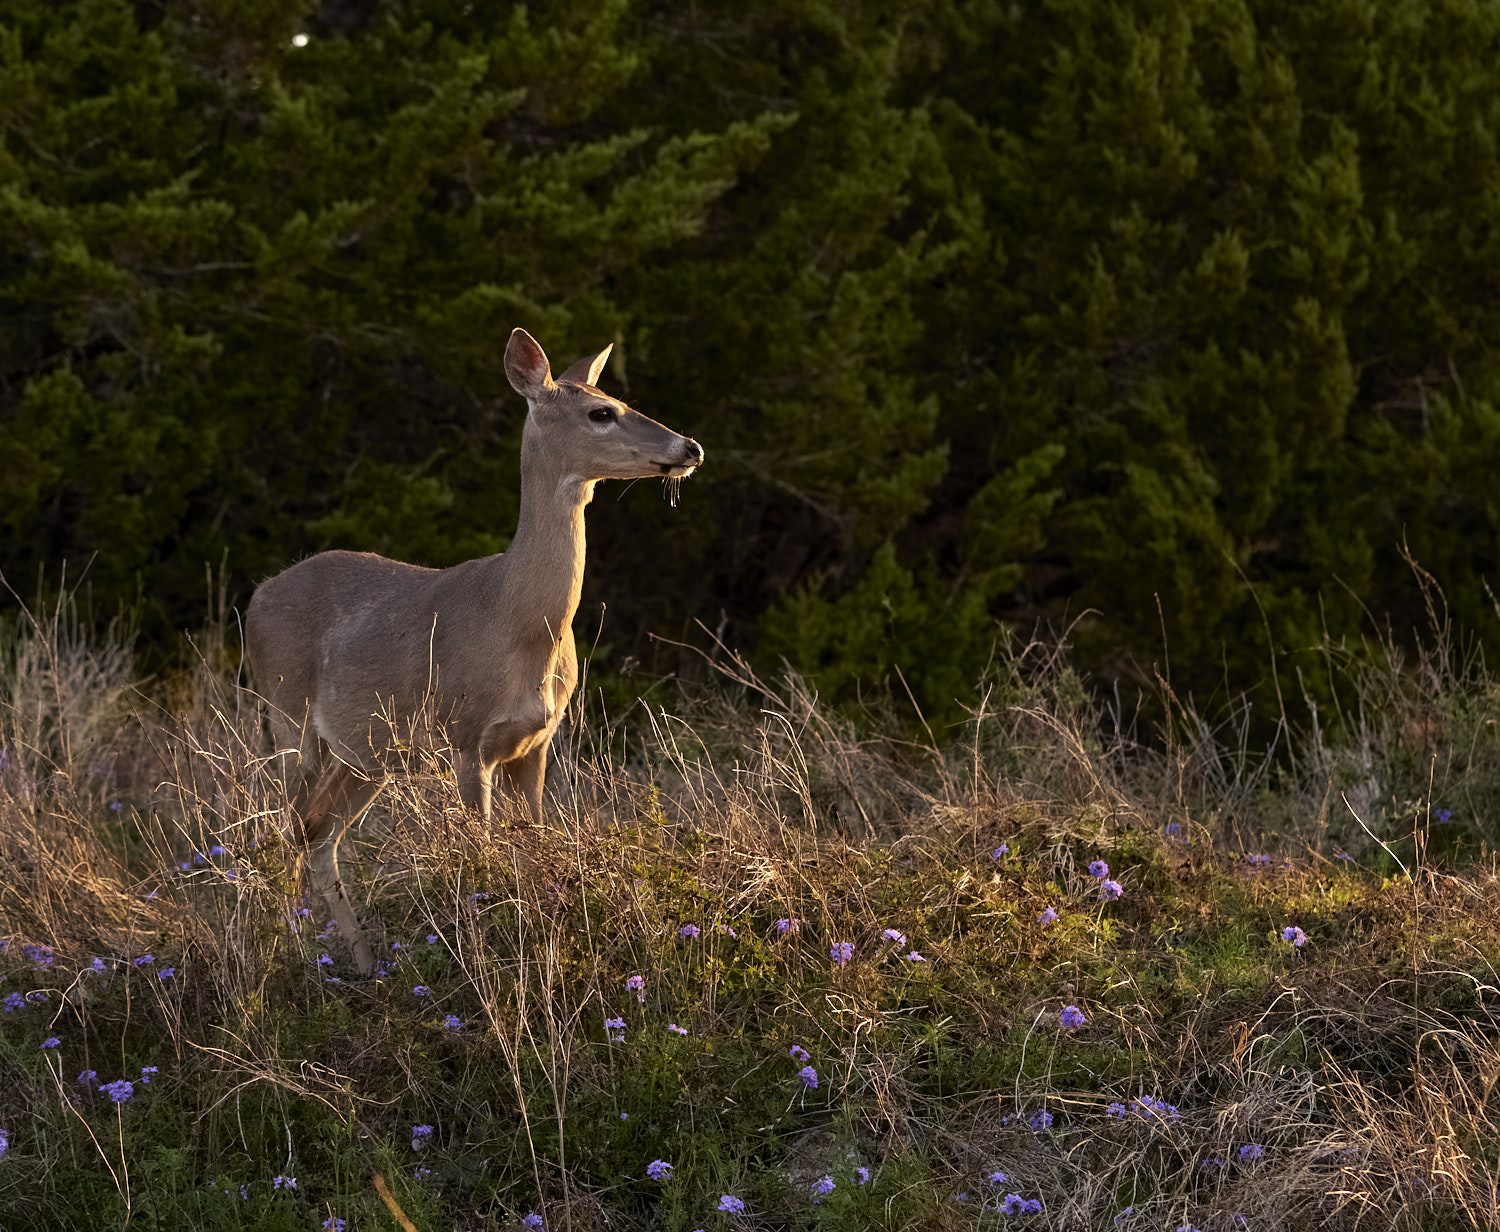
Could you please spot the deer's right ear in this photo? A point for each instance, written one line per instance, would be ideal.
(526, 365)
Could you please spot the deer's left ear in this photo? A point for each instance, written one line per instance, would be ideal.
(586, 371)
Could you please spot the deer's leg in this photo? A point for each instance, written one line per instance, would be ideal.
(341, 795)
(524, 778)
(474, 782)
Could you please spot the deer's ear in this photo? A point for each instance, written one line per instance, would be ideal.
(586, 371)
(526, 365)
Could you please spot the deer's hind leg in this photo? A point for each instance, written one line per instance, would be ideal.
(340, 795)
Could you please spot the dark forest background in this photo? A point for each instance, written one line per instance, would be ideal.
(1172, 323)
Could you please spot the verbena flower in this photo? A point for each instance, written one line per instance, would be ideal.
(1040, 1119)
(1442, 816)
(1173, 829)
(40, 956)
(4, 1142)
(689, 931)
(674, 1029)
(960, 1197)
(809, 1077)
(637, 985)
(88, 1077)
(1098, 868)
(1251, 1152)
(14, 1001)
(1048, 915)
(616, 1029)
(731, 1205)
(383, 969)
(1155, 1108)
(421, 990)
(1258, 860)
(1295, 935)
(1014, 1204)
(50, 1042)
(996, 1177)
(148, 1072)
(822, 1187)
(894, 934)
(532, 1220)
(334, 1224)
(283, 1182)
(324, 960)
(841, 952)
(419, 1136)
(1212, 1162)
(659, 1170)
(860, 1176)
(217, 850)
(787, 925)
(1072, 1016)
(96, 964)
(1186, 1227)
(422, 1173)
(1110, 890)
(166, 973)
(433, 938)
(914, 956)
(119, 1090)
(1124, 1215)
(729, 932)
(452, 1022)
(1115, 1109)
(479, 896)
(143, 960)
(1000, 852)
(798, 1053)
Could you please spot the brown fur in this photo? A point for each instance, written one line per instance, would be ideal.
(349, 647)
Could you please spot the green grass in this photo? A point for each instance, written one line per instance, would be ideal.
(1362, 1063)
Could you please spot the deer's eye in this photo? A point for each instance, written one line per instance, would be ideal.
(601, 414)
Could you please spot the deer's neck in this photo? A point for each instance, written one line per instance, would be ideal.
(544, 564)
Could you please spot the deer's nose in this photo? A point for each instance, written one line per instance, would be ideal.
(693, 450)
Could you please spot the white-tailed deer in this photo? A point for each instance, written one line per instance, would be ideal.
(347, 646)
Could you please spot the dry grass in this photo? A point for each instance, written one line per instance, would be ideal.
(1363, 1064)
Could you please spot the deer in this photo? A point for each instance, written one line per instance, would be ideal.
(347, 647)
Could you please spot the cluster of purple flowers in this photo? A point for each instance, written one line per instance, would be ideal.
(283, 1182)
(616, 1029)
(809, 1077)
(1295, 935)
(1148, 1108)
(451, 1022)
(894, 935)
(731, 1205)
(1258, 860)
(334, 1224)
(689, 931)
(822, 1187)
(1072, 1016)
(14, 1001)
(841, 952)
(788, 925)
(674, 1029)
(1040, 1120)
(421, 1135)
(1000, 852)
(659, 1170)
(39, 956)
(1014, 1204)
(798, 1053)
(1111, 891)
(1048, 915)
(637, 985)
(1099, 869)
(1251, 1153)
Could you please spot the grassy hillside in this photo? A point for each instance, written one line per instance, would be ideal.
(881, 984)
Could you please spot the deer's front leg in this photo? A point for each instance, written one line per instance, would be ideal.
(474, 781)
(524, 778)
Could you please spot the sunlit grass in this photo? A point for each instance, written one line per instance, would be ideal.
(1220, 1077)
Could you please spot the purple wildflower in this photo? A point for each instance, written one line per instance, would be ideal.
(217, 850)
(894, 934)
(729, 932)
(96, 964)
(1047, 916)
(674, 1029)
(1115, 1109)
(787, 925)
(324, 960)
(822, 1187)
(1295, 935)
(143, 960)
(841, 952)
(1251, 1152)
(1000, 852)
(422, 1173)
(1099, 869)
(14, 1001)
(860, 1176)
(798, 1053)
(996, 1177)
(88, 1077)
(452, 1022)
(334, 1224)
(1442, 816)
(40, 956)
(616, 1029)
(637, 985)
(421, 990)
(731, 1205)
(283, 1182)
(148, 1072)
(1124, 1215)
(914, 956)
(1014, 1204)
(689, 931)
(1072, 1016)
(4, 1142)
(659, 1170)
(166, 973)
(50, 1042)
(1110, 890)
(119, 1090)
(809, 1077)
(532, 1220)
(432, 938)
(1040, 1120)
(419, 1136)
(1173, 829)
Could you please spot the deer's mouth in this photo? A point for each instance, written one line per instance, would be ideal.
(676, 470)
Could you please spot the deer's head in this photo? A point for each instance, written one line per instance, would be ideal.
(584, 431)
